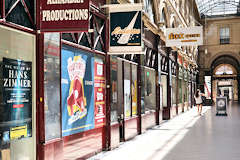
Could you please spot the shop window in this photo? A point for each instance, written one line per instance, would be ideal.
(224, 35)
(134, 89)
(114, 89)
(130, 89)
(164, 89)
(127, 90)
(17, 94)
(22, 13)
(174, 90)
(120, 88)
(150, 90)
(52, 85)
(180, 90)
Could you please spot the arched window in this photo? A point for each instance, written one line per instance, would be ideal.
(225, 69)
(163, 17)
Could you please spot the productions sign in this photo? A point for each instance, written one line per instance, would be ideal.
(125, 30)
(192, 36)
(64, 15)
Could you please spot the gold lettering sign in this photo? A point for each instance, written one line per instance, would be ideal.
(118, 30)
(176, 36)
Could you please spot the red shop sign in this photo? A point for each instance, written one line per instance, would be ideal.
(64, 15)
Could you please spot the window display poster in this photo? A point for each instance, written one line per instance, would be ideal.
(207, 86)
(127, 98)
(16, 109)
(99, 92)
(77, 91)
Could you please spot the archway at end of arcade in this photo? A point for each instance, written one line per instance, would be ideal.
(224, 78)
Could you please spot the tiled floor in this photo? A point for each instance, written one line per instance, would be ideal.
(186, 137)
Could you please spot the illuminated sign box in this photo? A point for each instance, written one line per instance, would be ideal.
(191, 36)
(64, 15)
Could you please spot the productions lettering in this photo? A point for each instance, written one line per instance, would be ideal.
(62, 14)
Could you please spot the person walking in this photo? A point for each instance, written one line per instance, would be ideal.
(199, 101)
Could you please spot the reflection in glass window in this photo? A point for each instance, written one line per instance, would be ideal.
(164, 84)
(174, 90)
(150, 90)
(127, 90)
(114, 88)
(134, 89)
(52, 85)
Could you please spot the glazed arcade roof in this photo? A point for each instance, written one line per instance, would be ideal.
(218, 7)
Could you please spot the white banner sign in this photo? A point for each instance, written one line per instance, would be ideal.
(192, 36)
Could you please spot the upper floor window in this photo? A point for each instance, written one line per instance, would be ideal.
(148, 8)
(224, 35)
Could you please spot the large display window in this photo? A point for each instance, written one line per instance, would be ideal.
(52, 86)
(127, 90)
(174, 90)
(150, 90)
(83, 90)
(180, 93)
(134, 89)
(114, 89)
(17, 95)
(164, 89)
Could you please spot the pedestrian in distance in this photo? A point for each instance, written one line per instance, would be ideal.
(199, 101)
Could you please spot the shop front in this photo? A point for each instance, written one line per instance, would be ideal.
(185, 90)
(180, 85)
(148, 98)
(173, 84)
(17, 94)
(72, 75)
(164, 87)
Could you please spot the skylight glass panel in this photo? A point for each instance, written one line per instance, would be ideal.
(218, 7)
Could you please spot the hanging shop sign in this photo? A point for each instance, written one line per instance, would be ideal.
(125, 30)
(191, 36)
(64, 15)
(16, 114)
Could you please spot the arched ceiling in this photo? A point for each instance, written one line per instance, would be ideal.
(218, 7)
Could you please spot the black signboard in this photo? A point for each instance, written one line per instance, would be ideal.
(125, 29)
(221, 105)
(16, 94)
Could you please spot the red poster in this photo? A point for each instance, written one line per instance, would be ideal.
(99, 93)
(64, 15)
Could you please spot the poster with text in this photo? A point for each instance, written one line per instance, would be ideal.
(99, 92)
(77, 91)
(16, 109)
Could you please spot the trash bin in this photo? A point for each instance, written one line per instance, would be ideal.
(221, 106)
